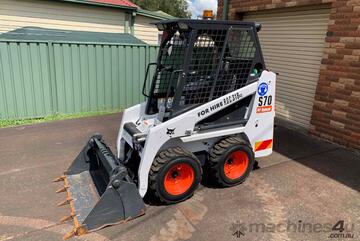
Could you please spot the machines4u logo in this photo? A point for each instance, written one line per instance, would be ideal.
(263, 89)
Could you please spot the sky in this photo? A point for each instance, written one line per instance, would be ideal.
(196, 7)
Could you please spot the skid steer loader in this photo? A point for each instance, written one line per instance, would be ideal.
(209, 106)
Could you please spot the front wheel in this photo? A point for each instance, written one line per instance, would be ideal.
(174, 175)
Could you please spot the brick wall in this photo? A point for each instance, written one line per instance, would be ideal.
(336, 111)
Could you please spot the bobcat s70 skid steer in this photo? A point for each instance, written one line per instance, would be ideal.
(209, 110)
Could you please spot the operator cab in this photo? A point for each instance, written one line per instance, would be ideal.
(199, 61)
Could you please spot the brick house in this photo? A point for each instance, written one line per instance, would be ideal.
(314, 45)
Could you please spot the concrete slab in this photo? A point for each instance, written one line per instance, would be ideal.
(306, 183)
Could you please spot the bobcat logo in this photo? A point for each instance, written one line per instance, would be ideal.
(170, 132)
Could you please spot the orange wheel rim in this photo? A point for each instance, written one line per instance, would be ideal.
(236, 164)
(179, 179)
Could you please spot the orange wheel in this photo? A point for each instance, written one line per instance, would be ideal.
(174, 175)
(179, 179)
(231, 160)
(236, 164)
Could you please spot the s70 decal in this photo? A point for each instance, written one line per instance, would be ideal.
(264, 104)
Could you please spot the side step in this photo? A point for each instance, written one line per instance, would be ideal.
(99, 190)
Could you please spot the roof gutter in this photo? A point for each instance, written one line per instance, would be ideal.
(225, 10)
(101, 4)
(150, 14)
(134, 10)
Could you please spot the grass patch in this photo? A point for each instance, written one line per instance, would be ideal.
(55, 117)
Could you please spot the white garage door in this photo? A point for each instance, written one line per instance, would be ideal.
(292, 41)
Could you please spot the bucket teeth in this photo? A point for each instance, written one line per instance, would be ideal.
(63, 189)
(70, 234)
(59, 179)
(67, 218)
(67, 201)
(76, 231)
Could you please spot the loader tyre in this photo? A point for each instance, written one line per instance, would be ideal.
(174, 175)
(231, 161)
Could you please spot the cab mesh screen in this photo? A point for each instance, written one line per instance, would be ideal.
(217, 66)
(220, 62)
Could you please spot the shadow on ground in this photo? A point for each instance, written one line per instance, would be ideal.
(333, 161)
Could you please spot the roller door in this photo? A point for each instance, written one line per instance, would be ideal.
(292, 41)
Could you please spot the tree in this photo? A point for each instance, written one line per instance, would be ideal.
(176, 8)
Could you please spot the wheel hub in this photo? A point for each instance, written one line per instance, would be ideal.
(175, 174)
(179, 178)
(236, 164)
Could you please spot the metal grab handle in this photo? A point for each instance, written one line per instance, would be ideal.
(146, 75)
(170, 82)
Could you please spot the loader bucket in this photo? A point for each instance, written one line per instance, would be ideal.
(99, 190)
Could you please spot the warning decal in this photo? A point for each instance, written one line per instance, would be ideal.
(262, 145)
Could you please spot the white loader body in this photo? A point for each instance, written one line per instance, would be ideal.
(258, 129)
(209, 112)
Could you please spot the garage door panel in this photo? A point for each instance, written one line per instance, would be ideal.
(308, 42)
(288, 110)
(295, 71)
(289, 105)
(301, 99)
(291, 86)
(296, 54)
(295, 60)
(299, 21)
(296, 15)
(305, 80)
(317, 21)
(305, 45)
(291, 82)
(279, 68)
(294, 32)
(296, 63)
(294, 117)
(285, 15)
(299, 90)
(301, 24)
(298, 76)
(292, 102)
(305, 37)
(292, 41)
(300, 64)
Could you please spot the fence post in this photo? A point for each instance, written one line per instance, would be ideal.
(147, 61)
(53, 90)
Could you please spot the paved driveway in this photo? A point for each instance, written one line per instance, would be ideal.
(299, 193)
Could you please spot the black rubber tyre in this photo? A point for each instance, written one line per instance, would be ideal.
(164, 163)
(221, 153)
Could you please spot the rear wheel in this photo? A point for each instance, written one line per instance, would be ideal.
(174, 175)
(231, 160)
